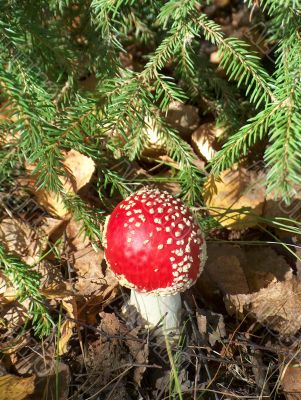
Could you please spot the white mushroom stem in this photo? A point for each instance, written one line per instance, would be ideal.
(155, 310)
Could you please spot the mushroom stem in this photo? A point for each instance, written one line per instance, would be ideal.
(158, 310)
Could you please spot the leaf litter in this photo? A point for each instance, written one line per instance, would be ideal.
(245, 293)
(241, 321)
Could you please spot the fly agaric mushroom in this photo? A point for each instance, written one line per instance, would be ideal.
(155, 247)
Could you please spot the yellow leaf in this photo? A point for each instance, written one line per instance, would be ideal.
(14, 388)
(237, 198)
(66, 332)
(79, 169)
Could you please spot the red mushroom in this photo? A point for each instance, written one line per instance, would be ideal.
(155, 247)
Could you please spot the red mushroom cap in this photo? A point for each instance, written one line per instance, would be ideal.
(153, 243)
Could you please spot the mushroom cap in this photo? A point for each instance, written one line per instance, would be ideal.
(153, 243)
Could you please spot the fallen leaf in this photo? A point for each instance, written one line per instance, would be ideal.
(290, 379)
(139, 351)
(253, 281)
(28, 243)
(276, 306)
(40, 360)
(262, 266)
(183, 117)
(94, 281)
(204, 140)
(237, 198)
(79, 170)
(19, 238)
(14, 388)
(221, 3)
(55, 382)
(108, 358)
(68, 299)
(154, 145)
(66, 328)
(223, 273)
(14, 314)
(66, 332)
(211, 325)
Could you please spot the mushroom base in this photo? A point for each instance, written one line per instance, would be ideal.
(163, 311)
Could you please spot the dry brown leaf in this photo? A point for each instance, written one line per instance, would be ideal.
(139, 351)
(50, 374)
(253, 281)
(3, 283)
(92, 279)
(238, 188)
(108, 357)
(223, 273)
(56, 380)
(221, 3)
(63, 293)
(66, 328)
(66, 331)
(14, 388)
(7, 114)
(184, 117)
(211, 325)
(204, 140)
(279, 208)
(19, 238)
(13, 314)
(262, 266)
(290, 379)
(277, 305)
(28, 243)
(79, 169)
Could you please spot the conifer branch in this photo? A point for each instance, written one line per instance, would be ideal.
(27, 283)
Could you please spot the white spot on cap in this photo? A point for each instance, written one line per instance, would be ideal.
(158, 220)
(160, 246)
(131, 219)
(129, 240)
(145, 241)
(177, 234)
(169, 241)
(129, 213)
(125, 225)
(137, 224)
(160, 210)
(151, 211)
(167, 229)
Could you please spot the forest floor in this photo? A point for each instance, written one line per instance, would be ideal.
(241, 320)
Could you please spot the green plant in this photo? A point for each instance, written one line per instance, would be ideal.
(27, 284)
(279, 117)
(47, 49)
